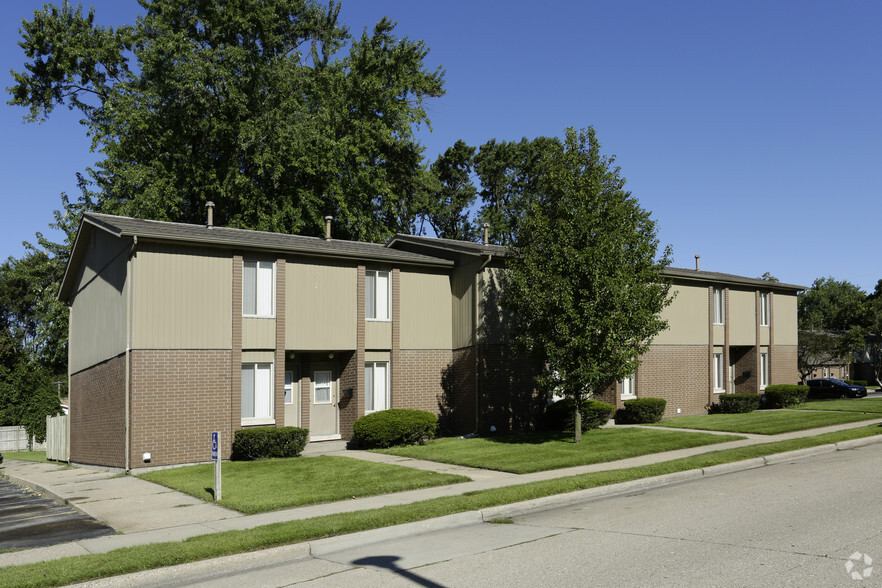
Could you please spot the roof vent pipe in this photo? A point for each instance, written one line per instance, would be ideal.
(210, 206)
(697, 257)
(328, 220)
(486, 233)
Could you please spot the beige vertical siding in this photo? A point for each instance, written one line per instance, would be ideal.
(99, 304)
(784, 318)
(182, 298)
(258, 333)
(321, 306)
(687, 317)
(742, 317)
(463, 303)
(425, 310)
(378, 335)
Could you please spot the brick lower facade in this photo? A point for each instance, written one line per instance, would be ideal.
(178, 397)
(98, 414)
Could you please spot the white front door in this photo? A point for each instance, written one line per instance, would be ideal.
(324, 416)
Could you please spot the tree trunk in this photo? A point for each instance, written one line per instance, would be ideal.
(577, 419)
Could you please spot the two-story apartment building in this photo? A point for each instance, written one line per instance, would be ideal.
(179, 330)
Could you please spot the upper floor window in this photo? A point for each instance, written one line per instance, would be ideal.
(377, 295)
(257, 288)
(764, 309)
(719, 306)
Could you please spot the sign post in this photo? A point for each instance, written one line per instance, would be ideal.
(215, 457)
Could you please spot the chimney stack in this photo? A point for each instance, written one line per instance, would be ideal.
(697, 257)
(328, 220)
(210, 206)
(486, 233)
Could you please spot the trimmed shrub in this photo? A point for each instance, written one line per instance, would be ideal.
(641, 411)
(560, 415)
(855, 382)
(265, 442)
(396, 426)
(785, 395)
(739, 403)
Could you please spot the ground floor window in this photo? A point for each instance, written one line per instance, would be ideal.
(257, 393)
(718, 373)
(376, 385)
(764, 370)
(628, 390)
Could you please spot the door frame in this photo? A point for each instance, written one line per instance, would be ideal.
(335, 400)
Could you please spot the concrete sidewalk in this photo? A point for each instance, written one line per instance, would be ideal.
(143, 512)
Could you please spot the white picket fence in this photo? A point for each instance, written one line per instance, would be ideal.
(16, 439)
(58, 437)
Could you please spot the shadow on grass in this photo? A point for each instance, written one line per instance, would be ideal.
(537, 438)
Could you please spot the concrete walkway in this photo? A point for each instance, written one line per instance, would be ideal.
(142, 512)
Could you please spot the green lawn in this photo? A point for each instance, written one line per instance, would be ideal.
(536, 452)
(260, 486)
(765, 422)
(27, 456)
(873, 405)
(132, 559)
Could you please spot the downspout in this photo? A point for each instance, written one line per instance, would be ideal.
(477, 301)
(129, 328)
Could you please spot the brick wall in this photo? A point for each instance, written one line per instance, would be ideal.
(419, 378)
(178, 397)
(506, 390)
(677, 373)
(783, 365)
(456, 405)
(98, 414)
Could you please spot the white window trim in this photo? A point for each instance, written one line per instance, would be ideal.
(290, 387)
(388, 310)
(719, 306)
(764, 370)
(272, 287)
(765, 304)
(372, 365)
(719, 380)
(628, 383)
(263, 419)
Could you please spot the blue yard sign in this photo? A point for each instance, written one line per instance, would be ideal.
(214, 444)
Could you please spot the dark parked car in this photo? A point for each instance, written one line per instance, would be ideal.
(833, 388)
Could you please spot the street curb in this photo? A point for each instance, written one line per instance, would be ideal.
(205, 569)
(344, 542)
(733, 466)
(800, 453)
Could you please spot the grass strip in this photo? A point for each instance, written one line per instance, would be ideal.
(28, 456)
(868, 405)
(253, 487)
(536, 452)
(132, 559)
(765, 422)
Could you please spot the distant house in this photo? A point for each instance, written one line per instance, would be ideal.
(179, 330)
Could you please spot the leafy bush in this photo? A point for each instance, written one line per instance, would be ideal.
(265, 442)
(641, 411)
(560, 416)
(396, 426)
(785, 395)
(739, 403)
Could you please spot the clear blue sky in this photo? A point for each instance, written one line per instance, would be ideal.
(750, 129)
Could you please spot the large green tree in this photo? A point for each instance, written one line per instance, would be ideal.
(268, 108)
(452, 194)
(585, 285)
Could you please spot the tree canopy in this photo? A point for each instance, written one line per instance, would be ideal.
(585, 285)
(268, 108)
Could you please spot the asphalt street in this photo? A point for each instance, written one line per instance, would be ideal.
(805, 522)
(29, 520)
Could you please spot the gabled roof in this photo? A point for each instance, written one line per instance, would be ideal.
(223, 237)
(730, 279)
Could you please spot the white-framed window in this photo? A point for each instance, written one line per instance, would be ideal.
(376, 386)
(719, 306)
(377, 295)
(257, 394)
(718, 373)
(321, 387)
(764, 309)
(289, 387)
(258, 279)
(826, 372)
(764, 370)
(628, 390)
